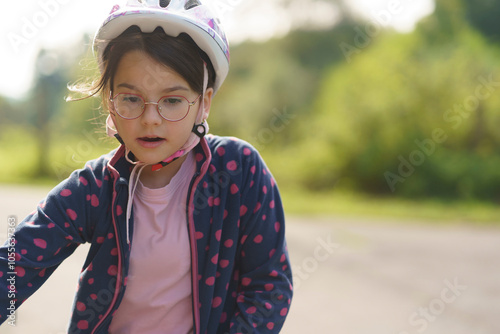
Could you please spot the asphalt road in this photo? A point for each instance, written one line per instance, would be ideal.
(352, 276)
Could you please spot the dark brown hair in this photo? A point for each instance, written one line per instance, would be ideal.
(179, 53)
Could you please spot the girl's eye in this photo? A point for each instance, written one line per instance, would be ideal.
(172, 101)
(130, 99)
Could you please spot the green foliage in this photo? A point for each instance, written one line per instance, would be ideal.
(412, 118)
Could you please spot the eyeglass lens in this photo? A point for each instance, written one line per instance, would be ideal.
(171, 107)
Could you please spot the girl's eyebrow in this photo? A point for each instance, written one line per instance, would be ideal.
(166, 90)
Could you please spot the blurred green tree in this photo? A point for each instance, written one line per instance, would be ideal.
(415, 115)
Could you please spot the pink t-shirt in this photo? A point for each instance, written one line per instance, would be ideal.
(158, 294)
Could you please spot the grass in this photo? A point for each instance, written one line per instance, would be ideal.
(300, 202)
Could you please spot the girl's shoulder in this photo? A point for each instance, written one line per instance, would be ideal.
(230, 147)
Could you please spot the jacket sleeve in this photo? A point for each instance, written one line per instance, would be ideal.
(44, 239)
(265, 290)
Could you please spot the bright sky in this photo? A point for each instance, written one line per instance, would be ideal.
(27, 25)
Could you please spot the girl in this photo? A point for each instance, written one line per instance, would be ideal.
(186, 230)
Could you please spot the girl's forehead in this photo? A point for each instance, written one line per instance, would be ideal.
(141, 70)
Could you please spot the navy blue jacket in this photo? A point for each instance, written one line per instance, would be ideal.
(241, 275)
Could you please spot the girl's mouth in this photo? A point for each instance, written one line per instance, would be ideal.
(150, 142)
(151, 139)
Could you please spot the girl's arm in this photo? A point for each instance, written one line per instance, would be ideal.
(265, 290)
(44, 239)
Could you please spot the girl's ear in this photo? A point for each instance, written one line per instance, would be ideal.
(207, 102)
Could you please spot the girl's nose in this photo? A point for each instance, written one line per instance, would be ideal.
(151, 116)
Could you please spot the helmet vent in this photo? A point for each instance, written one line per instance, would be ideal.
(191, 4)
(164, 3)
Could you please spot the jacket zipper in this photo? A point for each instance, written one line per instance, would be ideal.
(120, 268)
(194, 257)
(191, 229)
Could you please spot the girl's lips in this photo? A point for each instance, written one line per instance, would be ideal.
(148, 142)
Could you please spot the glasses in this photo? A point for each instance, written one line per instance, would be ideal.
(171, 107)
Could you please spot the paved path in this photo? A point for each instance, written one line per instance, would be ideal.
(352, 276)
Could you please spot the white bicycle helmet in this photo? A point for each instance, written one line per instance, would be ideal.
(175, 17)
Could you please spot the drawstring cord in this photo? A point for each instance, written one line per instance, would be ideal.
(134, 181)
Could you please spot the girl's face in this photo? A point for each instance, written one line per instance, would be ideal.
(150, 137)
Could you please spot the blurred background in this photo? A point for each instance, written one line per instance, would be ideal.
(376, 107)
(377, 118)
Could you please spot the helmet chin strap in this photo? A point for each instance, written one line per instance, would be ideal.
(199, 130)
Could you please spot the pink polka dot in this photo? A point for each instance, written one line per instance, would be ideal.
(20, 271)
(93, 296)
(253, 169)
(218, 235)
(229, 243)
(247, 151)
(80, 306)
(224, 263)
(264, 189)
(271, 253)
(110, 235)
(273, 273)
(94, 201)
(112, 270)
(277, 226)
(66, 225)
(71, 214)
(39, 258)
(257, 207)
(283, 258)
(99, 183)
(83, 324)
(40, 243)
(215, 259)
(271, 205)
(223, 317)
(251, 310)
(284, 311)
(198, 235)
(114, 251)
(210, 281)
(65, 193)
(234, 189)
(91, 281)
(246, 281)
(243, 210)
(232, 165)
(42, 273)
(268, 306)
(269, 287)
(100, 240)
(270, 325)
(24, 251)
(51, 225)
(119, 210)
(216, 302)
(258, 239)
(221, 151)
(243, 239)
(83, 181)
(199, 157)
